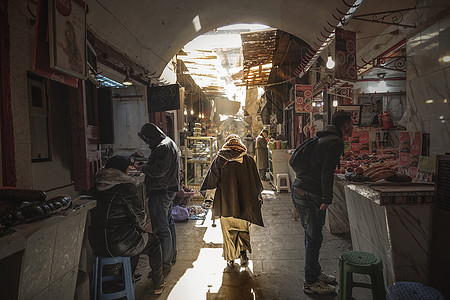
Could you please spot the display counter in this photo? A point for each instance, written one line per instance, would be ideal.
(41, 258)
(392, 221)
(336, 220)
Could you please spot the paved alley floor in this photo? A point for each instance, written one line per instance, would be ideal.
(276, 262)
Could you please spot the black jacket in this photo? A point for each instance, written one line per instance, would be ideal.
(162, 172)
(117, 221)
(325, 156)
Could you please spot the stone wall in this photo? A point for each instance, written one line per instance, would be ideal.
(428, 85)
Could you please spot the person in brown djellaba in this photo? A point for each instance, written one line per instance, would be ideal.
(237, 202)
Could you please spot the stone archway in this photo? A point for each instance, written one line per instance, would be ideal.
(152, 33)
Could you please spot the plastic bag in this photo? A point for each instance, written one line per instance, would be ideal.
(180, 213)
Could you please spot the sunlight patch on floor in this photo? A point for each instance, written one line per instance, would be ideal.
(206, 274)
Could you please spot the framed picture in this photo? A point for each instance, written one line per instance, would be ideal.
(67, 36)
(355, 110)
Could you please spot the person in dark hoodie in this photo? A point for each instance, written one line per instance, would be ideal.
(117, 222)
(235, 177)
(162, 179)
(312, 193)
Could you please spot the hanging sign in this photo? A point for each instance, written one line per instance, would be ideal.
(303, 98)
(345, 54)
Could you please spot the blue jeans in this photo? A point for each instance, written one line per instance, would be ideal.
(160, 207)
(313, 219)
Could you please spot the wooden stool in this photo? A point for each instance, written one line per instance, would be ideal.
(361, 263)
(283, 182)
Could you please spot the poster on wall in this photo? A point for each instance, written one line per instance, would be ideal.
(67, 36)
(345, 52)
(41, 58)
(303, 98)
(355, 110)
(359, 141)
(410, 151)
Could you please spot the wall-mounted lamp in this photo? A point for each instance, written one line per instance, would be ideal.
(330, 62)
(127, 80)
(335, 103)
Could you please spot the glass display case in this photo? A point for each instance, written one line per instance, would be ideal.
(198, 155)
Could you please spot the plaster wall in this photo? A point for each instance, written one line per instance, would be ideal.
(428, 85)
(21, 34)
(42, 175)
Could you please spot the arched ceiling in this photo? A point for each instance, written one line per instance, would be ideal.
(151, 32)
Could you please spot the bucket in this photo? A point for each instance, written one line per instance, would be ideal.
(278, 144)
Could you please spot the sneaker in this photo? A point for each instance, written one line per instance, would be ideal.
(328, 279)
(160, 290)
(244, 259)
(318, 287)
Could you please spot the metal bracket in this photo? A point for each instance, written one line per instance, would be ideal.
(395, 63)
(393, 17)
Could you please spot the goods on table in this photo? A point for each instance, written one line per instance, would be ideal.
(28, 212)
(372, 167)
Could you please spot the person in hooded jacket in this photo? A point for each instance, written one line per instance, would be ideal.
(117, 222)
(312, 193)
(162, 179)
(235, 177)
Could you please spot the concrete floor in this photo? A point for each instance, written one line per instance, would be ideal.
(276, 263)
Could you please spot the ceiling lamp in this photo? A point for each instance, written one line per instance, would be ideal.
(192, 111)
(127, 80)
(185, 112)
(330, 61)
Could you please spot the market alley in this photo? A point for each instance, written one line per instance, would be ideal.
(276, 262)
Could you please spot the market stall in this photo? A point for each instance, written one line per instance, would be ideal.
(43, 255)
(392, 220)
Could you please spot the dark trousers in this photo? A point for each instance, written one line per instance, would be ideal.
(160, 207)
(153, 251)
(313, 219)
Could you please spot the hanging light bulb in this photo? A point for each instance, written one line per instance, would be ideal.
(330, 62)
(185, 112)
(199, 115)
(192, 111)
(203, 115)
(335, 103)
(127, 80)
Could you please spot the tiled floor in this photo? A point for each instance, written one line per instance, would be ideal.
(276, 263)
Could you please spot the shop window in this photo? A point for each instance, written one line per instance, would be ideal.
(39, 120)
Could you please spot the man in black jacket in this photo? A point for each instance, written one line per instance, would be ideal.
(117, 222)
(312, 193)
(162, 179)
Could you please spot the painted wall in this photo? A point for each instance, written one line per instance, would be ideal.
(428, 85)
(21, 33)
(56, 172)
